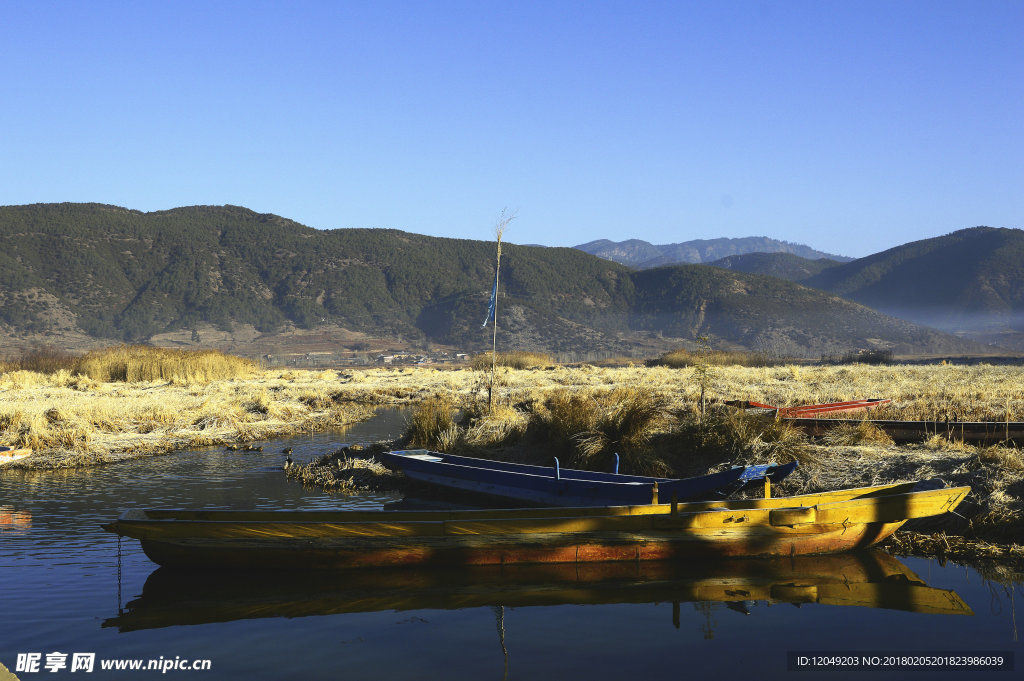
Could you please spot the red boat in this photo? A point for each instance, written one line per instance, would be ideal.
(811, 410)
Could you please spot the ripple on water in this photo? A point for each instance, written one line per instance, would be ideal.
(74, 582)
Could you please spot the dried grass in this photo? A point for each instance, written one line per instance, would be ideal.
(733, 437)
(593, 428)
(1005, 458)
(961, 549)
(500, 426)
(585, 413)
(511, 360)
(432, 424)
(139, 363)
(682, 358)
(70, 423)
(349, 470)
(862, 433)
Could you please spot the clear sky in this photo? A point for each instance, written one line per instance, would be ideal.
(851, 126)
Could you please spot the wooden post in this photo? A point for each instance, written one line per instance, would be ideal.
(503, 221)
(494, 339)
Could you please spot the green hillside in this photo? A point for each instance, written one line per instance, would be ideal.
(120, 274)
(769, 315)
(781, 265)
(964, 280)
(127, 275)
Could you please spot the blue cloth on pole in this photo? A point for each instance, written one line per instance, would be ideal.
(494, 296)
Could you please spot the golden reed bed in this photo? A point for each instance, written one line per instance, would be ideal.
(67, 412)
(72, 420)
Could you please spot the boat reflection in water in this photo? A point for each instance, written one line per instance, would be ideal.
(14, 522)
(870, 579)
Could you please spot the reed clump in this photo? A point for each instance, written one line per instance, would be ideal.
(566, 413)
(726, 435)
(593, 428)
(1006, 458)
(861, 433)
(432, 424)
(498, 427)
(993, 511)
(349, 470)
(586, 428)
(43, 360)
(140, 363)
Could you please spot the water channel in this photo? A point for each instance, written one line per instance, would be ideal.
(68, 588)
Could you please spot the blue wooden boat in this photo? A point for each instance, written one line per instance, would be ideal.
(556, 486)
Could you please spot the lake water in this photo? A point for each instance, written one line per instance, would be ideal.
(67, 587)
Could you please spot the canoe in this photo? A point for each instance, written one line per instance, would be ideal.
(977, 432)
(9, 454)
(869, 579)
(829, 522)
(556, 486)
(810, 410)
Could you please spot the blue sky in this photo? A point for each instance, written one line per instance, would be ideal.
(849, 126)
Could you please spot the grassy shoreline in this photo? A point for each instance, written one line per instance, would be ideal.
(73, 421)
(648, 413)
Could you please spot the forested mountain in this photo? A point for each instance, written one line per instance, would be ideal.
(120, 274)
(969, 281)
(770, 315)
(644, 255)
(127, 275)
(782, 265)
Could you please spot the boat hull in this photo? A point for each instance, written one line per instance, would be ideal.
(978, 432)
(809, 410)
(8, 454)
(335, 553)
(808, 525)
(552, 486)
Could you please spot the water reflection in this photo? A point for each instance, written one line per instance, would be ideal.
(871, 579)
(13, 521)
(598, 622)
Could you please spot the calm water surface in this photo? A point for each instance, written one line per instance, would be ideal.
(67, 586)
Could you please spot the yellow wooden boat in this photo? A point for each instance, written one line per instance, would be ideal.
(868, 579)
(829, 522)
(9, 454)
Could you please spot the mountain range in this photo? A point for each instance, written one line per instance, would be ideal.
(644, 255)
(969, 282)
(86, 274)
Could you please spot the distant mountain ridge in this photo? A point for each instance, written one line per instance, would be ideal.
(105, 272)
(644, 255)
(971, 280)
